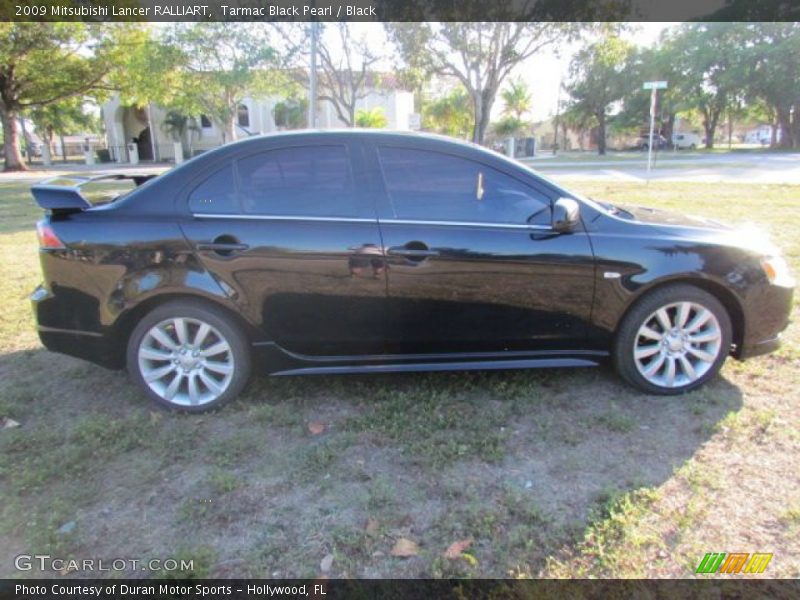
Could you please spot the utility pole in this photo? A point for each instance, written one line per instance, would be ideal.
(558, 115)
(312, 86)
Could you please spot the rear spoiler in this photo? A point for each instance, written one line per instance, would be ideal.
(63, 194)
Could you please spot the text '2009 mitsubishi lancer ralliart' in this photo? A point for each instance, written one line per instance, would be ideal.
(370, 252)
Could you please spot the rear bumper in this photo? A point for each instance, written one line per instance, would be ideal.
(57, 335)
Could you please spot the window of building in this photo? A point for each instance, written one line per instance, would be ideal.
(205, 122)
(243, 116)
(434, 186)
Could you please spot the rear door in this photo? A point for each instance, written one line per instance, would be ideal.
(473, 265)
(296, 243)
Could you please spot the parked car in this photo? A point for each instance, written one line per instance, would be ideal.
(370, 252)
(659, 142)
(683, 141)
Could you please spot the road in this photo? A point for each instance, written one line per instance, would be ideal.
(699, 167)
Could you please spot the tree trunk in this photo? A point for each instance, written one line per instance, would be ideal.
(669, 127)
(707, 127)
(601, 133)
(230, 129)
(730, 130)
(477, 110)
(11, 151)
(784, 119)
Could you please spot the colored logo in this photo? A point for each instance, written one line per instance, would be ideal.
(737, 562)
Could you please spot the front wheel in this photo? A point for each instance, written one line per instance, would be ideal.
(189, 356)
(673, 340)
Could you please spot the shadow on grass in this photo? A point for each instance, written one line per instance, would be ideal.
(519, 462)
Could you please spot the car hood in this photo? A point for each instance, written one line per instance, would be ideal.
(747, 236)
(665, 217)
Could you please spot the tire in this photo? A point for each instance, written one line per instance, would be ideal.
(653, 358)
(166, 358)
(693, 147)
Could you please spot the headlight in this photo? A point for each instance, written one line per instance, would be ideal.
(777, 271)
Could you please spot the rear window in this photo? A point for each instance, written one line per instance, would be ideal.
(217, 194)
(302, 181)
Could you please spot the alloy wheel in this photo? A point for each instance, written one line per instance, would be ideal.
(677, 344)
(186, 361)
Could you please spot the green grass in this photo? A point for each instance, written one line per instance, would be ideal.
(614, 476)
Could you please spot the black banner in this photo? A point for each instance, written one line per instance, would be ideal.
(400, 10)
(340, 589)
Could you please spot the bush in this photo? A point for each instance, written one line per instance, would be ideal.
(103, 155)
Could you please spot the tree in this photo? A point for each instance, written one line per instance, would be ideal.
(598, 80)
(509, 126)
(659, 63)
(182, 128)
(61, 118)
(517, 99)
(450, 114)
(479, 55)
(214, 78)
(712, 65)
(291, 113)
(372, 119)
(46, 63)
(772, 54)
(344, 71)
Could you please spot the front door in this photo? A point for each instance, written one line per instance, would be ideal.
(472, 263)
(296, 243)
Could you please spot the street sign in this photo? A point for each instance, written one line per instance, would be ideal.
(655, 85)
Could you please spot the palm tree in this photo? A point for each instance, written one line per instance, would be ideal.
(179, 126)
(517, 98)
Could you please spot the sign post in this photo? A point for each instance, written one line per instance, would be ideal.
(653, 86)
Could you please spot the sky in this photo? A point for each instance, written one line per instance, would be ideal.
(543, 72)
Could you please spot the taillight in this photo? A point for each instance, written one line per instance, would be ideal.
(47, 237)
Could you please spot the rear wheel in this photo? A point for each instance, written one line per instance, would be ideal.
(673, 340)
(189, 356)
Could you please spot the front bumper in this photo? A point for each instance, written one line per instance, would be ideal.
(767, 316)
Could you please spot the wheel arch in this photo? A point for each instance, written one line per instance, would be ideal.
(126, 322)
(727, 298)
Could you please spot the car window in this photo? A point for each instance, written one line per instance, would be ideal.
(428, 185)
(217, 194)
(304, 181)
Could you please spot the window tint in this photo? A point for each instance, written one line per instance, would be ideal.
(304, 181)
(438, 187)
(217, 194)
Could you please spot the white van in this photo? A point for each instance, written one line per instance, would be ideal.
(686, 140)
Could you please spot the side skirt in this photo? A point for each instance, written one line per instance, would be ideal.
(283, 362)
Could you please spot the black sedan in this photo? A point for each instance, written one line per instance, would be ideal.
(366, 252)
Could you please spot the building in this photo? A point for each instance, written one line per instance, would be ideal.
(128, 124)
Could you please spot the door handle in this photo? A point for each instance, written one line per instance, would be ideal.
(222, 244)
(411, 252)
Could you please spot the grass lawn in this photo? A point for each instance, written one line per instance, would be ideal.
(546, 473)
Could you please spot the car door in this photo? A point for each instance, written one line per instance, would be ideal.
(473, 265)
(295, 242)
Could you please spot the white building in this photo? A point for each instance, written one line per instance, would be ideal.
(126, 124)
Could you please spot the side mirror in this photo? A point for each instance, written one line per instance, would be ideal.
(566, 215)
